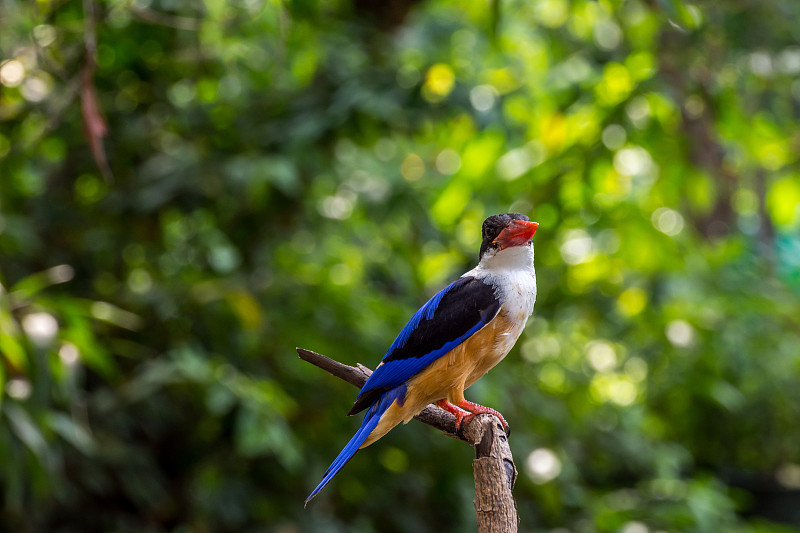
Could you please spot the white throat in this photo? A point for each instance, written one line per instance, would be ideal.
(513, 258)
(511, 273)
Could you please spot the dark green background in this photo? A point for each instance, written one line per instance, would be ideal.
(308, 173)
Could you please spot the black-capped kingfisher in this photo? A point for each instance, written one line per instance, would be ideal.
(451, 341)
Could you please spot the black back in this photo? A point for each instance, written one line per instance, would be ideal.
(492, 227)
(451, 316)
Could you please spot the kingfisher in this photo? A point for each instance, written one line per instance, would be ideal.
(460, 334)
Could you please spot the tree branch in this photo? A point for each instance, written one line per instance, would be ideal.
(495, 473)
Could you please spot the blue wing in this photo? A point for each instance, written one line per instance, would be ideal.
(445, 321)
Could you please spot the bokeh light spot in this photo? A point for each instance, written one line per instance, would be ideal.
(339, 206)
(667, 221)
(577, 247)
(514, 163)
(614, 136)
(552, 13)
(680, 333)
(448, 161)
(19, 388)
(632, 301)
(636, 369)
(542, 465)
(788, 475)
(634, 527)
(69, 354)
(140, 281)
(439, 81)
(601, 356)
(607, 34)
(12, 72)
(44, 34)
(633, 161)
(412, 168)
(483, 97)
(394, 459)
(41, 328)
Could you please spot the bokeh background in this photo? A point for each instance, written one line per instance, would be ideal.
(189, 190)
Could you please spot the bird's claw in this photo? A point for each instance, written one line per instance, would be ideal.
(464, 411)
(460, 421)
(460, 424)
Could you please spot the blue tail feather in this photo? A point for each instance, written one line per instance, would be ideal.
(371, 419)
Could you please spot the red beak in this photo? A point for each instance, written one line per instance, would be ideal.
(517, 233)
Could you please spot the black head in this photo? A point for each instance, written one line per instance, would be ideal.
(494, 225)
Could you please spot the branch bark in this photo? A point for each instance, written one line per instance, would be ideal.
(493, 466)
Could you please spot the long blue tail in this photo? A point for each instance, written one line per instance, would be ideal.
(371, 419)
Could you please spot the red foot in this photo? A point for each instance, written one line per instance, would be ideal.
(478, 409)
(459, 413)
(465, 410)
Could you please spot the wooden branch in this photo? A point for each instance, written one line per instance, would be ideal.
(495, 475)
(493, 467)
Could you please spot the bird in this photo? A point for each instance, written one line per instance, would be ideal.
(456, 337)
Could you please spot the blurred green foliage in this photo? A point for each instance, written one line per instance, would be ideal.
(308, 173)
